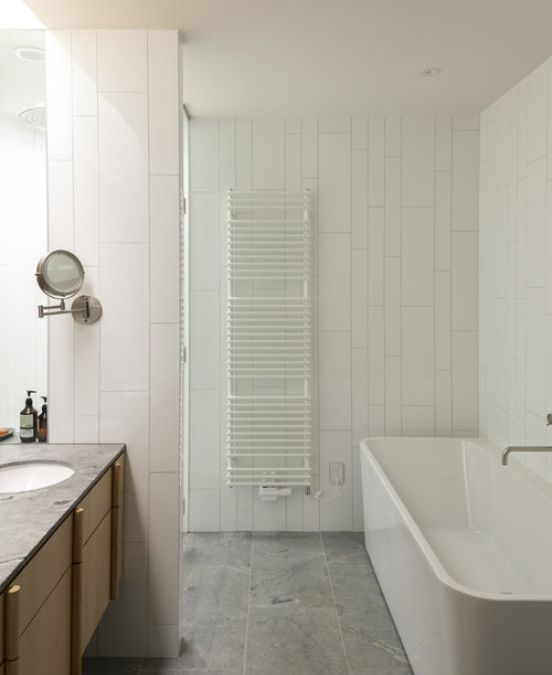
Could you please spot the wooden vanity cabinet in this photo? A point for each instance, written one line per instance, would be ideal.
(49, 613)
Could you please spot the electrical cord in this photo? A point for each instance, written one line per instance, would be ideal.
(318, 495)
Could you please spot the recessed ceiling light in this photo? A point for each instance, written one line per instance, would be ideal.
(26, 53)
(430, 72)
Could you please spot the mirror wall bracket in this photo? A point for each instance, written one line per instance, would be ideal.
(85, 309)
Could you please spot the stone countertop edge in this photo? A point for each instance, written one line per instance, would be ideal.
(28, 519)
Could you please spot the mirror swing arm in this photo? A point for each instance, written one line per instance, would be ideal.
(60, 275)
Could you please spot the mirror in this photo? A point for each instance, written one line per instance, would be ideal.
(60, 274)
(23, 220)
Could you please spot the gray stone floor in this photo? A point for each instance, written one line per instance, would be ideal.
(277, 604)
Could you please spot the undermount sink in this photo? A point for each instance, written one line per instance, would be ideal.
(27, 476)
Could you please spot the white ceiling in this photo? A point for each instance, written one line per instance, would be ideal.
(271, 57)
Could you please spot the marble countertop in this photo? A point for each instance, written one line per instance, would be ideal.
(28, 518)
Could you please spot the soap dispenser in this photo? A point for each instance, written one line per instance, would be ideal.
(43, 422)
(27, 420)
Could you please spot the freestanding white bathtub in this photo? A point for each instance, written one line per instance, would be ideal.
(462, 548)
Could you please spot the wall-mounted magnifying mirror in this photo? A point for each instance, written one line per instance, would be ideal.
(60, 275)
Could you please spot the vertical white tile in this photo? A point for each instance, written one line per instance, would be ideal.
(393, 303)
(359, 132)
(464, 280)
(334, 183)
(204, 511)
(536, 351)
(86, 205)
(124, 628)
(164, 548)
(376, 250)
(418, 356)
(227, 142)
(419, 420)
(443, 403)
(464, 380)
(164, 249)
(376, 420)
(359, 198)
(335, 380)
(293, 181)
(164, 397)
(59, 95)
(87, 355)
(87, 429)
(124, 327)
(204, 445)
(334, 299)
(244, 180)
(376, 160)
(60, 205)
(85, 100)
(293, 125)
(123, 167)
(443, 143)
(205, 340)
(466, 122)
(124, 418)
(393, 210)
(61, 381)
(310, 147)
(418, 257)
(122, 61)
(269, 516)
(376, 355)
(359, 395)
(205, 241)
(465, 163)
(393, 396)
(244, 521)
(537, 110)
(443, 220)
(163, 99)
(418, 160)
(204, 154)
(335, 446)
(393, 135)
(334, 124)
(535, 230)
(442, 320)
(268, 154)
(359, 305)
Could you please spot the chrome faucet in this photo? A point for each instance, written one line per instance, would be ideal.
(523, 448)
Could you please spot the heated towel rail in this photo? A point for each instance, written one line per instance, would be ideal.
(268, 339)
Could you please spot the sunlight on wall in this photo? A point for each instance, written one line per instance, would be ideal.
(16, 14)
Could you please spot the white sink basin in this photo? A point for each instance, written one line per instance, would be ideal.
(27, 476)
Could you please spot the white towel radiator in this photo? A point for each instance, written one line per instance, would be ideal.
(268, 339)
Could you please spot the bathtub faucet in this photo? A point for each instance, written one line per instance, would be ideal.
(523, 448)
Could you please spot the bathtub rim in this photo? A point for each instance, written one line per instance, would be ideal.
(417, 534)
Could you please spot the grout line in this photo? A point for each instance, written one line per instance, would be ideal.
(334, 603)
(248, 603)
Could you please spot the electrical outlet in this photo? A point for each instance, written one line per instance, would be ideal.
(337, 473)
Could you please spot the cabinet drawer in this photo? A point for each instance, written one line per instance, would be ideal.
(42, 574)
(96, 504)
(45, 645)
(96, 576)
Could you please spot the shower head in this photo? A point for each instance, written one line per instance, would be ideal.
(35, 116)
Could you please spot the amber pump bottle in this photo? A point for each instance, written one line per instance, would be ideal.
(27, 420)
(43, 422)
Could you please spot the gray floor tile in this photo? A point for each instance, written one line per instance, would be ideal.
(170, 669)
(289, 569)
(294, 641)
(345, 547)
(209, 587)
(229, 548)
(110, 666)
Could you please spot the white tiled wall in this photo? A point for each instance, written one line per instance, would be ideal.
(515, 314)
(396, 285)
(114, 155)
